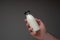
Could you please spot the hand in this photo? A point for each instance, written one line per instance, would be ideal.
(39, 34)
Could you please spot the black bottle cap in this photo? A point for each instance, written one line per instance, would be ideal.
(27, 12)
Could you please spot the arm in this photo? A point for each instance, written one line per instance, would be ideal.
(49, 36)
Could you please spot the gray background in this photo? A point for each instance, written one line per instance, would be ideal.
(12, 25)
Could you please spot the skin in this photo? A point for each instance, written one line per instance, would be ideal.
(41, 34)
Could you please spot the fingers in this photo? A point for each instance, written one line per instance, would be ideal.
(27, 24)
(29, 28)
(33, 33)
(38, 21)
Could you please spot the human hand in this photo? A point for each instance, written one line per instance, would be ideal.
(39, 34)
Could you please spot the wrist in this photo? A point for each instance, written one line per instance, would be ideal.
(49, 36)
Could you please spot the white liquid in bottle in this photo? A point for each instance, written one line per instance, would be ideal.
(32, 22)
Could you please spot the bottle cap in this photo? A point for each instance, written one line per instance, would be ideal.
(27, 12)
